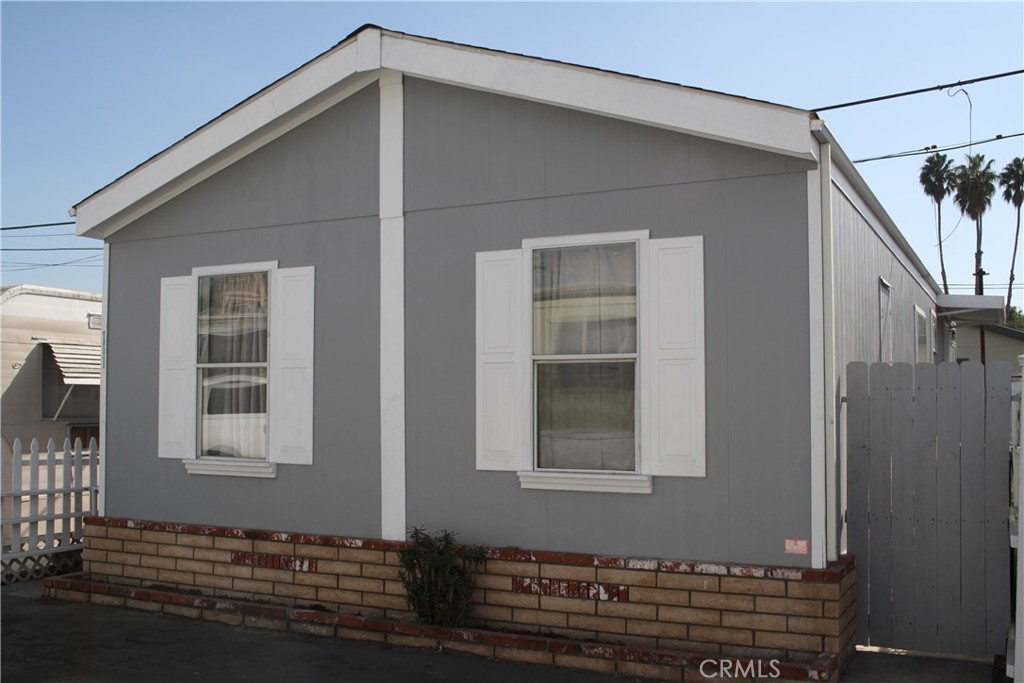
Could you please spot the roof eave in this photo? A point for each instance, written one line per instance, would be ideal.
(357, 61)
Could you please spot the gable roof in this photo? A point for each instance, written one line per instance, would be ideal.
(359, 59)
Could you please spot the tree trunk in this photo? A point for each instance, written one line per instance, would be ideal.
(1013, 262)
(979, 274)
(942, 259)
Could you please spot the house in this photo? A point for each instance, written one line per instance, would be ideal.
(51, 364)
(1002, 344)
(417, 283)
(50, 376)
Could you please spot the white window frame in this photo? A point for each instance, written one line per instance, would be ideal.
(933, 337)
(921, 325)
(289, 363)
(226, 466)
(886, 333)
(670, 375)
(532, 476)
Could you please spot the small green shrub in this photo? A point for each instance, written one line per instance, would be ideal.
(437, 576)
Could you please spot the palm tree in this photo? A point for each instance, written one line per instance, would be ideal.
(975, 184)
(937, 180)
(1012, 182)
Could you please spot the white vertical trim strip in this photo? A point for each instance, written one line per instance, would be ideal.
(392, 310)
(101, 501)
(1018, 640)
(832, 381)
(816, 328)
(391, 144)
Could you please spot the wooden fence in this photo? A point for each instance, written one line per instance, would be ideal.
(928, 500)
(45, 495)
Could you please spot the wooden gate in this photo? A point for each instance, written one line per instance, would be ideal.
(928, 475)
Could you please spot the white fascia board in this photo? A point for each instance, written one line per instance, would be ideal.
(308, 91)
(762, 126)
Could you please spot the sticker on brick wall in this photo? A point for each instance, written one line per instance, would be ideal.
(796, 546)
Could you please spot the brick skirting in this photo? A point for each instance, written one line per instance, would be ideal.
(718, 610)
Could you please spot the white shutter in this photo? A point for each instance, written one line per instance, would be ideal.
(672, 422)
(499, 365)
(176, 424)
(291, 366)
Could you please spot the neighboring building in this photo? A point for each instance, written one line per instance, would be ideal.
(545, 306)
(51, 365)
(1002, 344)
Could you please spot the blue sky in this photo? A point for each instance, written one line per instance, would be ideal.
(89, 90)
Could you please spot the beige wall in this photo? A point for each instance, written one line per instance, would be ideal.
(999, 347)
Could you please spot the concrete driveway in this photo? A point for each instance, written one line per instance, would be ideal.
(47, 641)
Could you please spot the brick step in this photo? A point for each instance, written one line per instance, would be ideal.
(627, 660)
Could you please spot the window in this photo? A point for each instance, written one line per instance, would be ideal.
(236, 353)
(590, 361)
(885, 332)
(584, 356)
(232, 365)
(922, 337)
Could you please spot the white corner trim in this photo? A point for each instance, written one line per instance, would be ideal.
(833, 485)
(101, 503)
(392, 310)
(585, 481)
(816, 329)
(231, 467)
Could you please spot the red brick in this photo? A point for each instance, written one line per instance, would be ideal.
(697, 582)
(688, 615)
(753, 586)
(788, 641)
(728, 601)
(715, 634)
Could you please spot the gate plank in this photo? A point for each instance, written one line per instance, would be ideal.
(879, 499)
(948, 509)
(925, 636)
(857, 460)
(902, 430)
(997, 505)
(972, 508)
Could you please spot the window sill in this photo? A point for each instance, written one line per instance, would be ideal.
(230, 467)
(579, 481)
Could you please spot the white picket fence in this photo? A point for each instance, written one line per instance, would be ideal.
(45, 496)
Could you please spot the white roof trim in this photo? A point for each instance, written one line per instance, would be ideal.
(355, 63)
(295, 99)
(697, 112)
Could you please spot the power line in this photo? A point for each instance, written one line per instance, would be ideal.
(935, 148)
(30, 237)
(919, 91)
(84, 262)
(37, 225)
(52, 249)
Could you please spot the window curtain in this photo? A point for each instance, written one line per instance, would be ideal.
(584, 300)
(233, 331)
(584, 303)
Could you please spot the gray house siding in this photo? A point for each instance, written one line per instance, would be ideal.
(861, 259)
(482, 173)
(308, 198)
